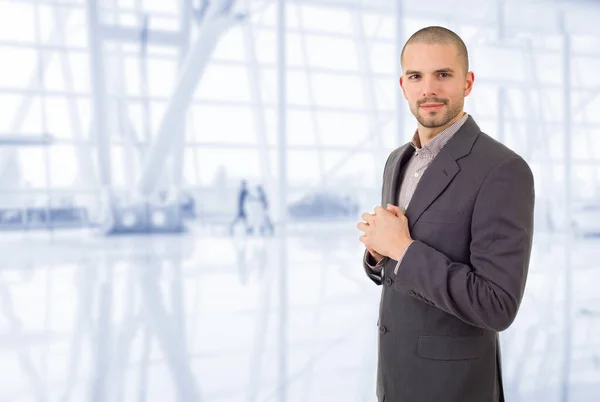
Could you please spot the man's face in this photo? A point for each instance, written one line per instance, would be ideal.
(434, 83)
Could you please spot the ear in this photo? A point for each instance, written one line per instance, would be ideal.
(470, 79)
(402, 86)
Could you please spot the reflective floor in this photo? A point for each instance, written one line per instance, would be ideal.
(207, 317)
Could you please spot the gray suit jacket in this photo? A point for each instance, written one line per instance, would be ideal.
(462, 280)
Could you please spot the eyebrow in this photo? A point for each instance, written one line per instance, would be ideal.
(440, 70)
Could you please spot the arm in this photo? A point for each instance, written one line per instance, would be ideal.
(372, 268)
(487, 292)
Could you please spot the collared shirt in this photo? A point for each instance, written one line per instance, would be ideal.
(422, 158)
(415, 168)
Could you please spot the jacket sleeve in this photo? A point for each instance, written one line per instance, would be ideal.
(488, 291)
(374, 271)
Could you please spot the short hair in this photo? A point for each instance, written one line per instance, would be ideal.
(442, 36)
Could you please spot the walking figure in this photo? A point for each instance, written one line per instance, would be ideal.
(265, 222)
(242, 213)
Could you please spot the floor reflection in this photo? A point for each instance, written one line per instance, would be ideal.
(213, 318)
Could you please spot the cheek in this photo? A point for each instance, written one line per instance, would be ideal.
(455, 94)
(412, 94)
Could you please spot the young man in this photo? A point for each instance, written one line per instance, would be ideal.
(452, 240)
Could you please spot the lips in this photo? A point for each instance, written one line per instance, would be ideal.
(432, 106)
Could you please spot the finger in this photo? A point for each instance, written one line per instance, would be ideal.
(363, 240)
(395, 209)
(367, 217)
(362, 226)
(378, 209)
(391, 209)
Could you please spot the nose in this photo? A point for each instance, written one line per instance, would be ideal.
(429, 87)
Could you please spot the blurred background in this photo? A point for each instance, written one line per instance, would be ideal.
(180, 182)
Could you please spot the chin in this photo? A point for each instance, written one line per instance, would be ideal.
(433, 123)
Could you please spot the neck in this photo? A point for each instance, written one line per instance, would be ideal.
(426, 134)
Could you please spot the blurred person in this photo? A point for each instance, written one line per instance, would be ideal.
(451, 242)
(264, 223)
(242, 214)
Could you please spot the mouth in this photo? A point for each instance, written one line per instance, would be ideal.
(431, 106)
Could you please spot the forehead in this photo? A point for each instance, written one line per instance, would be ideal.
(427, 57)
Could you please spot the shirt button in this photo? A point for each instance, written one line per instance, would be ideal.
(382, 329)
(389, 281)
(417, 174)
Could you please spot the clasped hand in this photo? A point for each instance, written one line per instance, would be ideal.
(385, 231)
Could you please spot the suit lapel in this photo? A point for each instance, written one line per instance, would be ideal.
(441, 171)
(399, 159)
(436, 178)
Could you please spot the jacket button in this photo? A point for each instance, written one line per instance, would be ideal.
(382, 329)
(389, 281)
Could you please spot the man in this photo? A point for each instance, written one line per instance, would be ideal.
(452, 240)
(242, 209)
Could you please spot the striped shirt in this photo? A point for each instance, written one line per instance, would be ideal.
(415, 168)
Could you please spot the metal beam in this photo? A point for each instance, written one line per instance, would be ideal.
(178, 156)
(100, 112)
(86, 167)
(368, 86)
(282, 160)
(567, 164)
(20, 139)
(191, 72)
(282, 105)
(9, 169)
(125, 34)
(258, 104)
(399, 98)
(312, 99)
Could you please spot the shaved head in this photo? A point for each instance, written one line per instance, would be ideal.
(435, 78)
(436, 35)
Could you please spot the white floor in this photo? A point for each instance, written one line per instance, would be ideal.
(204, 317)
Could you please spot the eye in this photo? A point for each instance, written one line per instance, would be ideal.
(413, 76)
(445, 75)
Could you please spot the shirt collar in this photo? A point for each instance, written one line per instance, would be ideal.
(434, 146)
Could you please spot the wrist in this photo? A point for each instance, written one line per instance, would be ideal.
(399, 252)
(375, 256)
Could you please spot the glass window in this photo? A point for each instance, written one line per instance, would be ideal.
(223, 124)
(64, 166)
(336, 90)
(17, 22)
(326, 19)
(224, 82)
(332, 53)
(32, 167)
(382, 58)
(19, 66)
